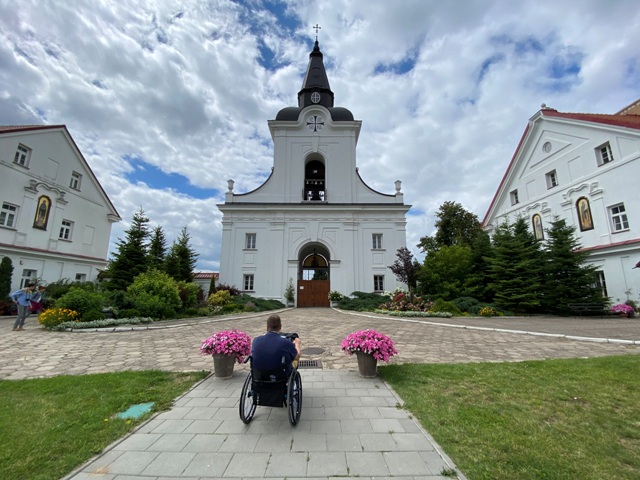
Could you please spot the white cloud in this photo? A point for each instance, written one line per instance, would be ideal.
(182, 84)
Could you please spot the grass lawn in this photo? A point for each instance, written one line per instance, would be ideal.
(551, 419)
(50, 426)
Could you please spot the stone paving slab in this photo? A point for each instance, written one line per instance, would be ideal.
(164, 447)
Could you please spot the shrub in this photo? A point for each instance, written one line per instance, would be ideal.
(466, 304)
(232, 289)
(59, 288)
(362, 301)
(442, 306)
(154, 294)
(488, 312)
(81, 299)
(55, 316)
(93, 315)
(130, 313)
(188, 292)
(220, 298)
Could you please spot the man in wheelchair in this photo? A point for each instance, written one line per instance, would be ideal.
(273, 380)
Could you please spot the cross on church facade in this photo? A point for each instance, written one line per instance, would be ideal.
(317, 27)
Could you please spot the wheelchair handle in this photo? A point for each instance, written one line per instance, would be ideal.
(290, 336)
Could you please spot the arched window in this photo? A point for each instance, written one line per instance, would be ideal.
(584, 214)
(314, 181)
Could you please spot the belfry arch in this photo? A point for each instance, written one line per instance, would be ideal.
(314, 276)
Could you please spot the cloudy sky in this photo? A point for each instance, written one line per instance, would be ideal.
(168, 99)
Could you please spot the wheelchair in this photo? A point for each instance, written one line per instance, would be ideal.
(272, 388)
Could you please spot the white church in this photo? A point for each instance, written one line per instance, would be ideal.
(314, 222)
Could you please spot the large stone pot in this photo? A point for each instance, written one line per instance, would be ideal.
(367, 365)
(223, 365)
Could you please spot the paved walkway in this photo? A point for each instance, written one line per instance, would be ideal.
(349, 426)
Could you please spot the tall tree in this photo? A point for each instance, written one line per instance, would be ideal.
(445, 273)
(455, 226)
(6, 271)
(568, 277)
(181, 260)
(130, 259)
(406, 268)
(515, 268)
(157, 249)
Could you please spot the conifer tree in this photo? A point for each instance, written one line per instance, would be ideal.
(130, 260)
(181, 259)
(6, 271)
(157, 249)
(515, 268)
(568, 279)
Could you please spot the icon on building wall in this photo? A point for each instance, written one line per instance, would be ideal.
(42, 212)
(538, 232)
(584, 214)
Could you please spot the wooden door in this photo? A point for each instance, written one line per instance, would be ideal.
(313, 293)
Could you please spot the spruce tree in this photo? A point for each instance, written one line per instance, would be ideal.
(568, 278)
(157, 249)
(6, 271)
(515, 268)
(181, 260)
(130, 260)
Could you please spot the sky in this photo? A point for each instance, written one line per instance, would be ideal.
(168, 99)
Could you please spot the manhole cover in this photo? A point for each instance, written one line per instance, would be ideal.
(309, 364)
(312, 351)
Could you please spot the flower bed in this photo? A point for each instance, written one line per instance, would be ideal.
(623, 308)
(413, 313)
(369, 341)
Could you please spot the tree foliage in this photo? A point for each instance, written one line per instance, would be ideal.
(446, 273)
(6, 272)
(181, 259)
(157, 249)
(155, 294)
(406, 268)
(455, 226)
(130, 259)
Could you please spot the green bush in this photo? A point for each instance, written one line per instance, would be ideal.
(188, 292)
(81, 299)
(154, 294)
(55, 316)
(362, 302)
(130, 313)
(467, 304)
(442, 306)
(59, 288)
(92, 315)
(257, 304)
(220, 298)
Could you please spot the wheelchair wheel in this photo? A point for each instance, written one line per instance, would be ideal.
(247, 401)
(294, 397)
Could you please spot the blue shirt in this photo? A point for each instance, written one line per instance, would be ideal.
(21, 297)
(270, 351)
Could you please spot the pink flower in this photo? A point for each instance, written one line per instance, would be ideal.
(228, 342)
(369, 341)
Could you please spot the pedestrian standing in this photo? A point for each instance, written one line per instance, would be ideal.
(36, 300)
(22, 299)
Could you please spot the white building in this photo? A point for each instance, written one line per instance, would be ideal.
(55, 218)
(583, 168)
(314, 220)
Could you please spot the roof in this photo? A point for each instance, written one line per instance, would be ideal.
(24, 128)
(205, 275)
(620, 119)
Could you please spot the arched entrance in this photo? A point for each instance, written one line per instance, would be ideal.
(313, 276)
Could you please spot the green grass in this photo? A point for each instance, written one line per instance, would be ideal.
(50, 426)
(552, 419)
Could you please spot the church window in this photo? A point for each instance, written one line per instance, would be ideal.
(65, 230)
(8, 215)
(28, 276)
(377, 241)
(378, 283)
(514, 197)
(619, 220)
(76, 180)
(248, 282)
(22, 156)
(603, 154)
(601, 283)
(250, 241)
(81, 277)
(552, 179)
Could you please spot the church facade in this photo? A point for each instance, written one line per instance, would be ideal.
(314, 222)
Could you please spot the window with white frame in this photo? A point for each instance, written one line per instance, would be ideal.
(619, 220)
(603, 154)
(8, 215)
(250, 241)
(601, 283)
(28, 276)
(552, 179)
(22, 156)
(76, 180)
(66, 229)
(377, 241)
(513, 195)
(81, 277)
(248, 282)
(378, 283)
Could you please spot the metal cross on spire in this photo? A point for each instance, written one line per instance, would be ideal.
(317, 27)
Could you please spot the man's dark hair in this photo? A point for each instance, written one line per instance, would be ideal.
(274, 323)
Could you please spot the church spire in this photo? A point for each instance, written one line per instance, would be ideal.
(315, 86)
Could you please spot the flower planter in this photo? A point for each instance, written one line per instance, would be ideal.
(223, 365)
(367, 365)
(333, 304)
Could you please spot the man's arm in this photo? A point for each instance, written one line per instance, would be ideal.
(296, 343)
